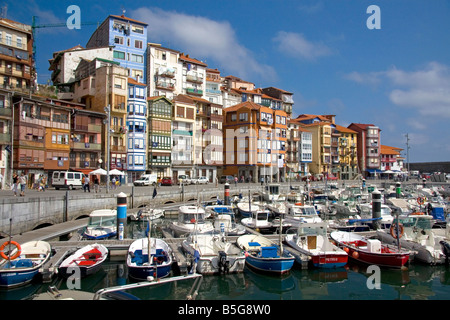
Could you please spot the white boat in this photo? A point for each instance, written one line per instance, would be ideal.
(143, 262)
(246, 208)
(190, 219)
(214, 254)
(87, 260)
(416, 234)
(22, 263)
(225, 223)
(102, 224)
(259, 221)
(311, 239)
(300, 213)
(147, 213)
(271, 192)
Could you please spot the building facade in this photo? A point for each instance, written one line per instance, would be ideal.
(368, 148)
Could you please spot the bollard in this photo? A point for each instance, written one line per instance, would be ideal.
(376, 207)
(121, 215)
(227, 194)
(398, 190)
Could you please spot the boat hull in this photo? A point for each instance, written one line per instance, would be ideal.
(357, 252)
(270, 265)
(143, 272)
(11, 278)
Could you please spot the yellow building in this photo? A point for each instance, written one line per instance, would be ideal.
(348, 164)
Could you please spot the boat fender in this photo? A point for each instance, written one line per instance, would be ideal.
(355, 254)
(14, 243)
(393, 230)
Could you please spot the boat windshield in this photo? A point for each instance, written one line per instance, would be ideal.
(192, 218)
(102, 221)
(308, 211)
(417, 222)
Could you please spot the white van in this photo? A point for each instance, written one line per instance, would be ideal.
(147, 180)
(67, 179)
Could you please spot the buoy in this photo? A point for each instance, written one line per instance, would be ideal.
(14, 243)
(346, 249)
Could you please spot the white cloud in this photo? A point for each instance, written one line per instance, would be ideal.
(296, 45)
(203, 38)
(426, 90)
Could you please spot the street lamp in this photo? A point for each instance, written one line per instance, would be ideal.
(108, 132)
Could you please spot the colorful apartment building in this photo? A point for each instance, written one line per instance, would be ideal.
(391, 159)
(255, 139)
(348, 161)
(128, 37)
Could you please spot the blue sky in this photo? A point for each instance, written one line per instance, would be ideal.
(396, 77)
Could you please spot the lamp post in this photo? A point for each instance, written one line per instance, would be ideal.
(108, 132)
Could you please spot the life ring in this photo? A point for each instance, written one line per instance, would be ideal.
(4, 256)
(393, 230)
(420, 200)
(417, 214)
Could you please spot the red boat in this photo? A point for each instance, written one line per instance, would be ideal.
(370, 251)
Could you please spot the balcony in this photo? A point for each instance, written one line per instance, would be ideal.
(165, 85)
(193, 91)
(5, 112)
(194, 79)
(87, 146)
(118, 149)
(166, 73)
(5, 138)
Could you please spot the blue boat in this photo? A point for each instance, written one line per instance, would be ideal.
(23, 263)
(140, 266)
(102, 224)
(263, 255)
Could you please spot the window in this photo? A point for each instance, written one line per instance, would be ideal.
(19, 42)
(137, 58)
(8, 39)
(119, 55)
(138, 44)
(243, 117)
(118, 40)
(137, 29)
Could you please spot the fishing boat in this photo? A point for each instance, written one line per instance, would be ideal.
(225, 223)
(88, 260)
(271, 192)
(149, 257)
(259, 221)
(245, 208)
(370, 251)
(312, 241)
(366, 212)
(416, 234)
(214, 254)
(264, 255)
(301, 213)
(191, 218)
(21, 264)
(102, 224)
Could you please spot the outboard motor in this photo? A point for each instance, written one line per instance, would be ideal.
(445, 249)
(224, 265)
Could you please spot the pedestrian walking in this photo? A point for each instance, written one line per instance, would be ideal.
(23, 179)
(96, 185)
(113, 182)
(86, 184)
(235, 181)
(15, 184)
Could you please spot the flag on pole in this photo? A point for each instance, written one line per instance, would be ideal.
(154, 193)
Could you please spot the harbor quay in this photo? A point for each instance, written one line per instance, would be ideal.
(41, 209)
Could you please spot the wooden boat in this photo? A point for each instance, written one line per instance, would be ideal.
(259, 221)
(311, 240)
(214, 254)
(102, 224)
(370, 251)
(149, 257)
(22, 263)
(264, 255)
(87, 260)
(190, 219)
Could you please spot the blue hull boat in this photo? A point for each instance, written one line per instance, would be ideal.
(23, 269)
(263, 255)
(141, 267)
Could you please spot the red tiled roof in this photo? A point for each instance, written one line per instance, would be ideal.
(128, 19)
(189, 59)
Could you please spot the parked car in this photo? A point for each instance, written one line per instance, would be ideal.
(202, 180)
(226, 179)
(167, 181)
(184, 179)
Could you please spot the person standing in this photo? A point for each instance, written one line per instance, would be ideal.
(23, 183)
(86, 184)
(96, 185)
(15, 184)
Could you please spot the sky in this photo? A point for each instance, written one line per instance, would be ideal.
(387, 65)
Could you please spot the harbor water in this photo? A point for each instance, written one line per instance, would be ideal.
(352, 282)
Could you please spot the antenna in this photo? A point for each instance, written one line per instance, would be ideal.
(123, 10)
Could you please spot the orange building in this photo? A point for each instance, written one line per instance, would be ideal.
(255, 142)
